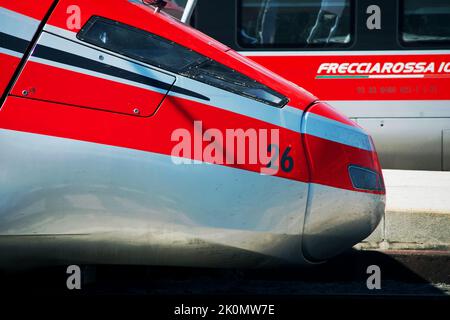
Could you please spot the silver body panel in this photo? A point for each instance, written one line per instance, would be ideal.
(336, 219)
(65, 201)
(69, 201)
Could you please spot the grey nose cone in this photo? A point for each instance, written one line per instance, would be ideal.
(338, 219)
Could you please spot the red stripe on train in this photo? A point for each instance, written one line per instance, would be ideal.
(329, 162)
(147, 134)
(154, 134)
(31, 8)
(8, 65)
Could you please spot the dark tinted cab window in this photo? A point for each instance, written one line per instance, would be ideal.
(152, 49)
(295, 23)
(138, 44)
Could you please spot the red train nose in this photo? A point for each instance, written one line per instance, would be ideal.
(346, 199)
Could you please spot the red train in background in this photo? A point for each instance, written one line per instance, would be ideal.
(384, 64)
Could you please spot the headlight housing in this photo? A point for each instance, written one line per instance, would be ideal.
(365, 179)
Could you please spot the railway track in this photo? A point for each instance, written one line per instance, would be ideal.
(402, 274)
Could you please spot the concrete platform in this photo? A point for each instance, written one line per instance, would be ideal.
(417, 212)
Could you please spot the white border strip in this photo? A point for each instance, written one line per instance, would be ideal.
(335, 131)
(11, 53)
(17, 24)
(396, 76)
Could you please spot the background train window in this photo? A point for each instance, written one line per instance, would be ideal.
(425, 22)
(295, 23)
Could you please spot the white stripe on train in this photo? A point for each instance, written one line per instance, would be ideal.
(17, 24)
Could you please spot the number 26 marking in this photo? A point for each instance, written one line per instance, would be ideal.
(287, 162)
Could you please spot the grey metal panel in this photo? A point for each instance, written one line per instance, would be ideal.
(337, 219)
(408, 143)
(446, 149)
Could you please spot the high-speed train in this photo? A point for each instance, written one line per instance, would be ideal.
(383, 63)
(128, 137)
